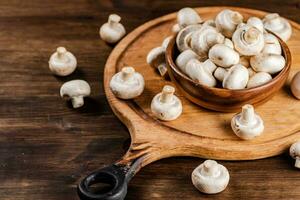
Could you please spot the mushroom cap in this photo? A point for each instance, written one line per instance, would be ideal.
(295, 150)
(184, 36)
(256, 22)
(62, 62)
(156, 57)
(210, 177)
(130, 88)
(228, 43)
(75, 88)
(250, 129)
(169, 110)
(248, 40)
(236, 78)
(295, 85)
(220, 73)
(188, 16)
(223, 55)
(278, 25)
(203, 39)
(258, 79)
(113, 30)
(227, 21)
(272, 45)
(183, 58)
(270, 63)
(209, 22)
(199, 72)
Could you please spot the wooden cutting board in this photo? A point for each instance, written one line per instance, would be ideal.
(197, 132)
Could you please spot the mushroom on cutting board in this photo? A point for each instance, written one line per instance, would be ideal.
(210, 177)
(75, 90)
(113, 30)
(247, 124)
(295, 85)
(165, 105)
(295, 153)
(127, 84)
(62, 62)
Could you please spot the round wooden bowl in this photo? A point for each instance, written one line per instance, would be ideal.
(220, 99)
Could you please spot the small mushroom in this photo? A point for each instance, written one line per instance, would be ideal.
(223, 55)
(203, 39)
(278, 25)
(210, 177)
(113, 30)
(248, 40)
(127, 84)
(165, 105)
(236, 78)
(295, 85)
(199, 72)
(256, 22)
(270, 63)
(227, 21)
(75, 90)
(62, 62)
(295, 153)
(183, 38)
(258, 79)
(247, 124)
(188, 16)
(156, 59)
(220, 73)
(272, 45)
(184, 57)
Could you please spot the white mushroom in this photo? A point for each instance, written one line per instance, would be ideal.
(272, 45)
(248, 40)
(209, 22)
(188, 16)
(176, 28)
(199, 72)
(270, 63)
(127, 84)
(236, 78)
(156, 59)
(165, 105)
(228, 43)
(209, 65)
(223, 55)
(183, 38)
(75, 90)
(227, 21)
(295, 153)
(220, 73)
(62, 62)
(295, 85)
(278, 25)
(113, 30)
(203, 39)
(184, 57)
(256, 22)
(247, 124)
(258, 79)
(210, 177)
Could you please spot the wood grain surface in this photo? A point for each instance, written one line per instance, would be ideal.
(46, 147)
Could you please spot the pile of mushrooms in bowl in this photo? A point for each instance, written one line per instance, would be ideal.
(226, 62)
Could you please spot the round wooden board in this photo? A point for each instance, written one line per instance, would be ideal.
(198, 132)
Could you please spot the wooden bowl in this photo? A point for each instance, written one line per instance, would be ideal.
(220, 99)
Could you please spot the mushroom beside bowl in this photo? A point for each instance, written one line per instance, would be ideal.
(220, 99)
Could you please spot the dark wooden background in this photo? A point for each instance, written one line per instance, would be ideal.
(46, 147)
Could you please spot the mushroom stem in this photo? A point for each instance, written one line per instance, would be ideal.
(167, 94)
(248, 115)
(297, 163)
(210, 168)
(251, 35)
(77, 101)
(127, 73)
(113, 19)
(61, 53)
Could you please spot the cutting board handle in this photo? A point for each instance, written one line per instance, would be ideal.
(117, 175)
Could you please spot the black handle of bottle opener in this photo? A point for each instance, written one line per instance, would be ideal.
(117, 175)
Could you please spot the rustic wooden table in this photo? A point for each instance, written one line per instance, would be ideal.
(46, 147)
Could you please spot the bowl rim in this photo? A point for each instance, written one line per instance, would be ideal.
(285, 53)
